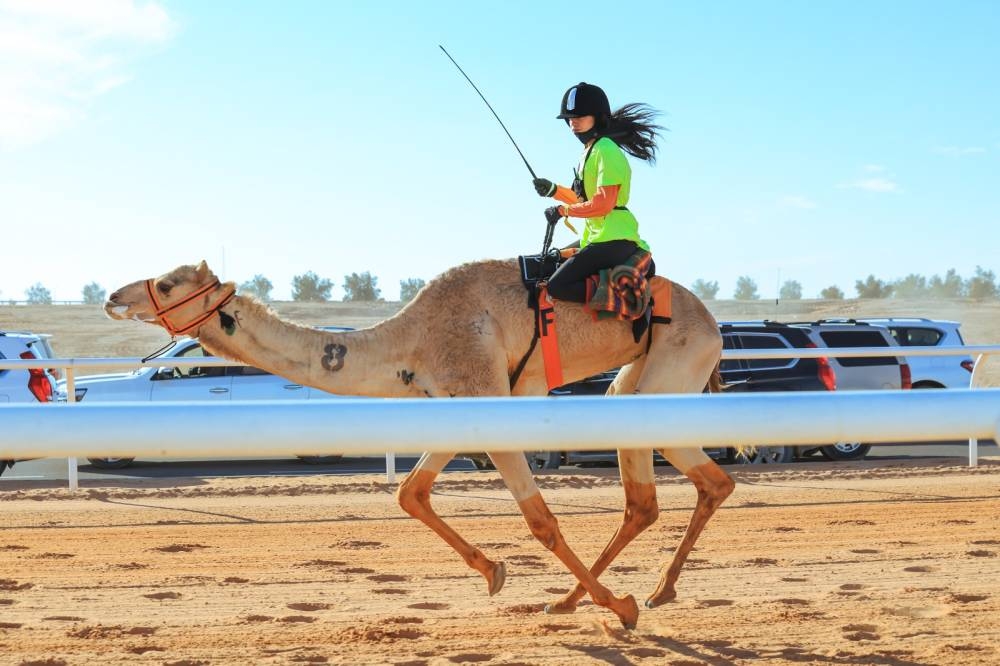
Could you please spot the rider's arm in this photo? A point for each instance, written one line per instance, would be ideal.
(602, 203)
(565, 195)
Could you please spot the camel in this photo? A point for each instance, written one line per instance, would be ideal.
(463, 335)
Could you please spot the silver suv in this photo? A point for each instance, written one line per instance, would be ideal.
(868, 372)
(34, 385)
(930, 371)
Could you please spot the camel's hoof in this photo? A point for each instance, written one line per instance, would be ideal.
(560, 608)
(497, 577)
(660, 599)
(630, 615)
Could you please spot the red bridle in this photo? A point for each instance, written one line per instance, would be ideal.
(174, 329)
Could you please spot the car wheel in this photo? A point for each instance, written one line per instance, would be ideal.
(766, 455)
(543, 459)
(321, 460)
(110, 463)
(845, 451)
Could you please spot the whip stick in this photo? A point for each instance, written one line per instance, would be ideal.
(491, 110)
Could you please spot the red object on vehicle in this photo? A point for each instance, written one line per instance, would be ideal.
(38, 382)
(825, 373)
(905, 378)
(968, 364)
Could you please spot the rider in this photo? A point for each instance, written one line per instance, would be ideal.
(600, 187)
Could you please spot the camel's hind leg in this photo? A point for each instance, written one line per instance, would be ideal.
(543, 525)
(414, 495)
(641, 510)
(713, 486)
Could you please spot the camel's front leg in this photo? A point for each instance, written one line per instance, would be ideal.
(414, 495)
(543, 525)
(641, 511)
(713, 486)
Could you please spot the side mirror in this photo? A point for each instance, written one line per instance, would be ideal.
(165, 373)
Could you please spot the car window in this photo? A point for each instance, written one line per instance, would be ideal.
(916, 337)
(249, 371)
(196, 351)
(729, 342)
(765, 341)
(858, 338)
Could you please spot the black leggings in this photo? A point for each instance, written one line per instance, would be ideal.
(569, 282)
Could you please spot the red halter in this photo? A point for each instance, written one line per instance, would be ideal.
(198, 320)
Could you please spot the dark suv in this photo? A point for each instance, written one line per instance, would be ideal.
(738, 376)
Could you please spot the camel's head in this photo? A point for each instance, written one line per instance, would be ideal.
(179, 301)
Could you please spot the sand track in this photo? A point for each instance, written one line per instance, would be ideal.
(850, 564)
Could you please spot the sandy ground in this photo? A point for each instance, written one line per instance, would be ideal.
(860, 563)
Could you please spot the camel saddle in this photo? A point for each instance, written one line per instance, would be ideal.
(535, 271)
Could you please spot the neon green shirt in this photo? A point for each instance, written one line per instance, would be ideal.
(606, 165)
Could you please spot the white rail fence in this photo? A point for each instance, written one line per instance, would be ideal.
(413, 426)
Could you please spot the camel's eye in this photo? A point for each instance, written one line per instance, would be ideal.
(164, 288)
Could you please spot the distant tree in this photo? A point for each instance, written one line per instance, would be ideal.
(872, 287)
(746, 289)
(704, 290)
(981, 285)
(791, 290)
(310, 287)
(950, 286)
(93, 294)
(361, 287)
(832, 293)
(259, 287)
(38, 295)
(912, 286)
(408, 289)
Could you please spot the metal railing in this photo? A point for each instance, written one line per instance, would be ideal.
(979, 352)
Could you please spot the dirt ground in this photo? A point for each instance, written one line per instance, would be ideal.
(856, 563)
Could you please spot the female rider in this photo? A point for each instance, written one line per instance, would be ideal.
(600, 189)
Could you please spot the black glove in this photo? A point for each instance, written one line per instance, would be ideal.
(544, 187)
(552, 215)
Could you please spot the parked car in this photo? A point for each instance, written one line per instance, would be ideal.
(869, 372)
(858, 373)
(930, 371)
(170, 383)
(33, 385)
(738, 376)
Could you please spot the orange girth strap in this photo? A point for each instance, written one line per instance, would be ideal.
(549, 339)
(198, 320)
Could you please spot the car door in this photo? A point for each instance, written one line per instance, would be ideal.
(251, 383)
(733, 371)
(196, 383)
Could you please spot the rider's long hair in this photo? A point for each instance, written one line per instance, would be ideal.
(632, 128)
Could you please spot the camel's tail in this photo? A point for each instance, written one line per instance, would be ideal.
(715, 385)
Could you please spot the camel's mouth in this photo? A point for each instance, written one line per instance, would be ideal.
(121, 312)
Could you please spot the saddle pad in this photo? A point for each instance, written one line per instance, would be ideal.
(662, 291)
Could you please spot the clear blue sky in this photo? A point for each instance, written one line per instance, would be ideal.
(818, 142)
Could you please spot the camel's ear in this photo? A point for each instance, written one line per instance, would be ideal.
(201, 270)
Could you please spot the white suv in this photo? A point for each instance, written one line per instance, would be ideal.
(868, 372)
(34, 385)
(169, 383)
(930, 371)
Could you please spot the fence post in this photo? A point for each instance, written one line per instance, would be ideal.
(73, 474)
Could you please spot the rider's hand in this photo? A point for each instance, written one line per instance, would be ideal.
(544, 187)
(553, 215)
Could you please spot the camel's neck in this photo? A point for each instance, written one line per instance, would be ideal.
(366, 362)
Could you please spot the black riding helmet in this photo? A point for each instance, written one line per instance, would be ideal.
(584, 99)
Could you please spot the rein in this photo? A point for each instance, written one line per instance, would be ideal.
(198, 320)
